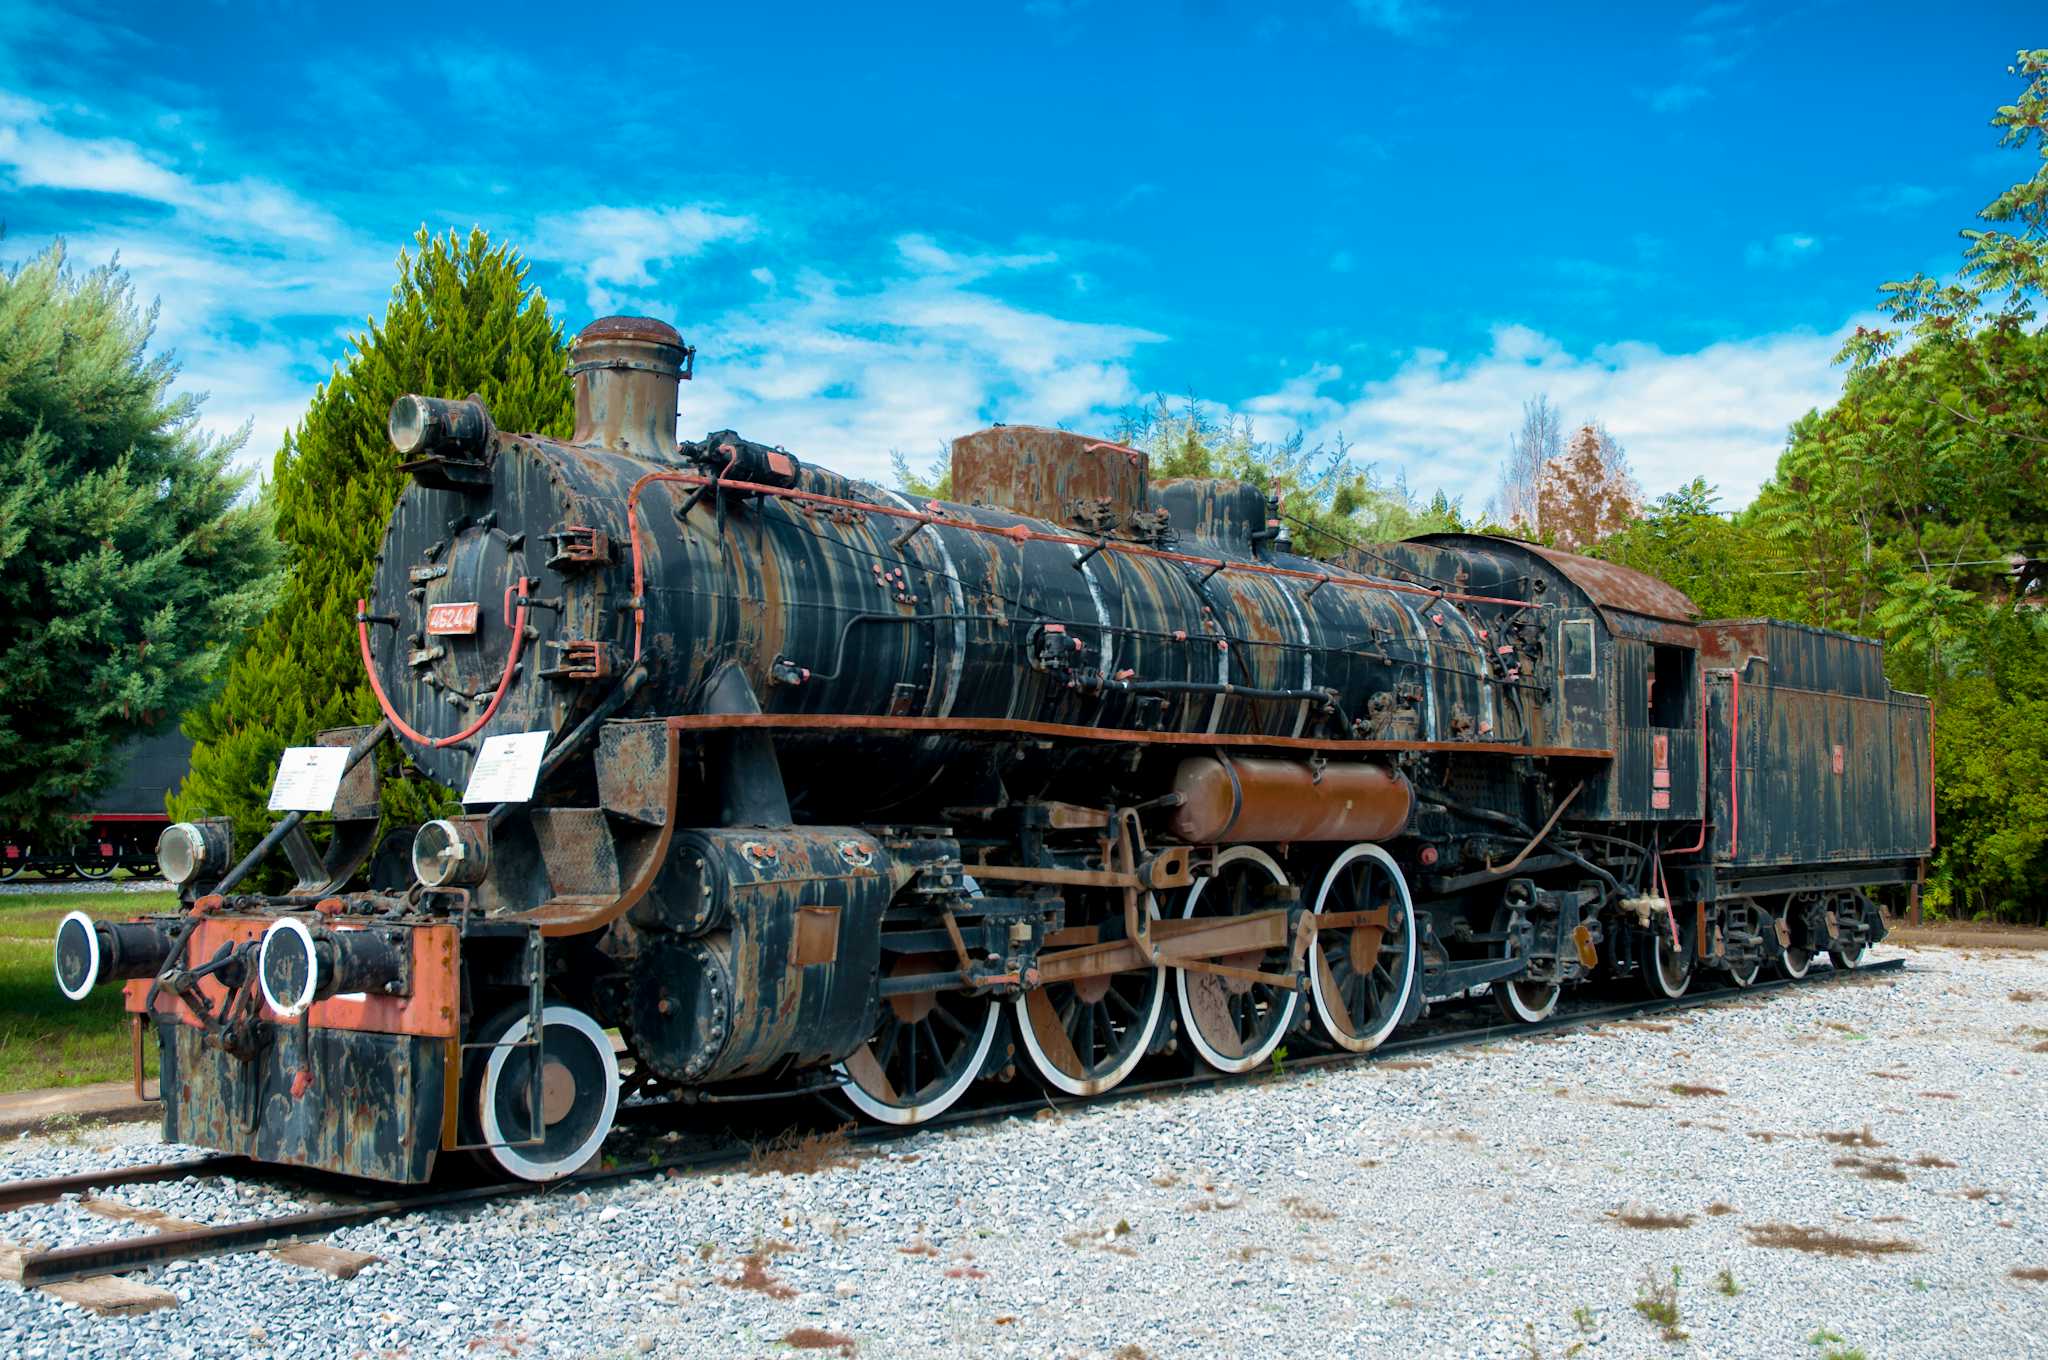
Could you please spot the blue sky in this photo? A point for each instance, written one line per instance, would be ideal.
(882, 226)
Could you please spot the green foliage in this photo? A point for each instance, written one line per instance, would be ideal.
(128, 563)
(461, 320)
(1329, 498)
(1722, 565)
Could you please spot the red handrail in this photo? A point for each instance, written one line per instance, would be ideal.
(490, 710)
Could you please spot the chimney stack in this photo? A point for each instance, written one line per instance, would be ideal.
(626, 370)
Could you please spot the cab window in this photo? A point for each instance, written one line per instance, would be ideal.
(1575, 648)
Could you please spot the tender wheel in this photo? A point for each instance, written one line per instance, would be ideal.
(1235, 1023)
(1845, 955)
(926, 1052)
(93, 867)
(1670, 970)
(1796, 936)
(1360, 977)
(579, 1093)
(1524, 1003)
(1746, 977)
(10, 867)
(1085, 1037)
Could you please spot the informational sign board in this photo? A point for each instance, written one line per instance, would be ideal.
(308, 777)
(506, 768)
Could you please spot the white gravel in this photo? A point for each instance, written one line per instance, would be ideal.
(1467, 1207)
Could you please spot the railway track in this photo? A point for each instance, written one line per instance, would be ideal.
(134, 1253)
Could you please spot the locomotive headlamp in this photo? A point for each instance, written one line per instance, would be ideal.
(90, 952)
(298, 964)
(187, 848)
(424, 426)
(453, 852)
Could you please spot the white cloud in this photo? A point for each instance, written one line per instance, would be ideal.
(1720, 412)
(844, 376)
(927, 256)
(617, 249)
(1781, 251)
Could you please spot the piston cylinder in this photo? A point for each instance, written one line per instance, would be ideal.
(1230, 801)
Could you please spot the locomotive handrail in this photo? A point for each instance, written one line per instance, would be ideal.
(498, 697)
(1016, 533)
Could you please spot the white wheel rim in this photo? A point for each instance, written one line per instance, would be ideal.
(511, 1158)
(1511, 995)
(1741, 978)
(92, 952)
(1663, 950)
(1180, 976)
(1092, 1086)
(1363, 1043)
(888, 1113)
(288, 1007)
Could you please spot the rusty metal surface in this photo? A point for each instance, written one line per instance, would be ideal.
(1797, 654)
(1071, 479)
(625, 370)
(352, 1101)
(1228, 801)
(430, 1009)
(1800, 775)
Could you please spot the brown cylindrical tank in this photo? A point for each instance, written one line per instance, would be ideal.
(1227, 801)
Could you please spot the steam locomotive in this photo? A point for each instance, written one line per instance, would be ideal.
(779, 782)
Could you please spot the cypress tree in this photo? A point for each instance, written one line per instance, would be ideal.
(126, 553)
(462, 320)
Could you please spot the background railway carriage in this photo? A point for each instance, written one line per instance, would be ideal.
(122, 830)
(800, 786)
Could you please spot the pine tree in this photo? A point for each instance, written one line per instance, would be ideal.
(126, 554)
(461, 320)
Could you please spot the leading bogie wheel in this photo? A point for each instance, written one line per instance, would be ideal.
(579, 1092)
(1084, 1037)
(927, 1049)
(1236, 1023)
(1360, 976)
(1669, 972)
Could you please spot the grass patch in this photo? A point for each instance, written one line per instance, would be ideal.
(44, 1039)
(1686, 1088)
(1657, 1302)
(1725, 1282)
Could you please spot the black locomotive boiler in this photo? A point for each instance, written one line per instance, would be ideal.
(829, 789)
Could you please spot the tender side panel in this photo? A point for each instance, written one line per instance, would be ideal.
(1816, 777)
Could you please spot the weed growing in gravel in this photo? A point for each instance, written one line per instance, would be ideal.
(1862, 1138)
(1131, 1351)
(802, 1154)
(754, 1275)
(2023, 996)
(1872, 1168)
(2032, 1274)
(1725, 1282)
(1657, 1302)
(1930, 1162)
(1719, 1209)
(816, 1339)
(1306, 1210)
(1686, 1088)
(1649, 1220)
(1584, 1319)
(1939, 1095)
(1788, 1237)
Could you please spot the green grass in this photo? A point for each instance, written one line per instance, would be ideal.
(44, 1039)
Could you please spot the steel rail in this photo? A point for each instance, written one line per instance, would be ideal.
(132, 1253)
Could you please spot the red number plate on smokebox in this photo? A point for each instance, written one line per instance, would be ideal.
(456, 619)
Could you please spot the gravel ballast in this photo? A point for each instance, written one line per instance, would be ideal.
(1828, 1170)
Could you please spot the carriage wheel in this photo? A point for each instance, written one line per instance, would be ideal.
(1361, 978)
(1797, 958)
(579, 1093)
(925, 1053)
(1235, 1023)
(93, 868)
(1086, 1036)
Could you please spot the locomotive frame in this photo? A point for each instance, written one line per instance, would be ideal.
(848, 794)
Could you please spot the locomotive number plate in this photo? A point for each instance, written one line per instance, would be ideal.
(451, 619)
